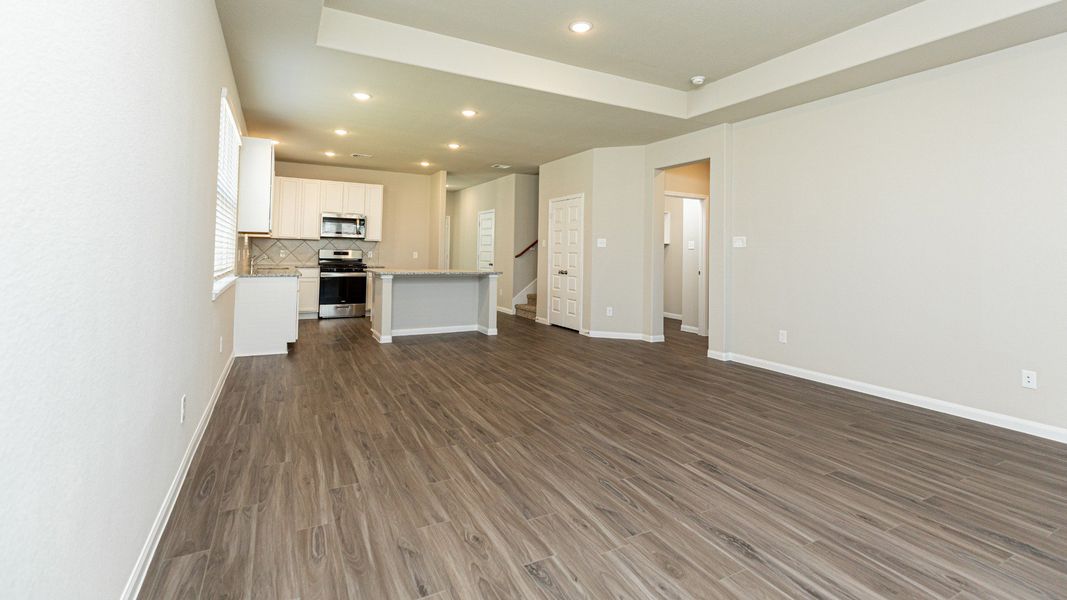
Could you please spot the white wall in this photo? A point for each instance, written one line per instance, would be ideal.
(913, 235)
(526, 206)
(110, 129)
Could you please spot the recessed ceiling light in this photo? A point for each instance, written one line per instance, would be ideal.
(361, 155)
(424, 164)
(341, 131)
(500, 166)
(581, 26)
(330, 154)
(697, 80)
(361, 96)
(469, 112)
(453, 146)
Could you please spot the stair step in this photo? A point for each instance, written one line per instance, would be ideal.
(525, 314)
(532, 298)
(526, 307)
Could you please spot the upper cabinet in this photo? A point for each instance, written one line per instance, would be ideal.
(373, 211)
(333, 197)
(356, 198)
(297, 208)
(254, 185)
(299, 204)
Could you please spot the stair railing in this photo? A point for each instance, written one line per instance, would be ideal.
(527, 249)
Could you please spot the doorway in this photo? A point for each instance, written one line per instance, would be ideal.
(565, 222)
(683, 257)
(486, 239)
(681, 270)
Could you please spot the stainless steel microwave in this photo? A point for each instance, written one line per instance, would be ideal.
(337, 225)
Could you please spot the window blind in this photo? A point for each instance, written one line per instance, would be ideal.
(226, 192)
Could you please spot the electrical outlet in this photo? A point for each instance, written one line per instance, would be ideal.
(740, 241)
(283, 254)
(1029, 379)
(602, 242)
(415, 254)
(610, 311)
(783, 336)
(181, 418)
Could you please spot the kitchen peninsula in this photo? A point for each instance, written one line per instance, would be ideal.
(425, 301)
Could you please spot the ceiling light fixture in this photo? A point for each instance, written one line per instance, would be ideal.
(361, 155)
(341, 131)
(330, 153)
(424, 164)
(361, 96)
(453, 146)
(500, 166)
(469, 112)
(581, 26)
(697, 80)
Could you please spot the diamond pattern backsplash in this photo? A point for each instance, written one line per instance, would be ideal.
(300, 253)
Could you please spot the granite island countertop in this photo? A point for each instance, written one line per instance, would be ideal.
(432, 272)
(273, 272)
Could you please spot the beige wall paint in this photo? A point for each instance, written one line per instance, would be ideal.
(438, 194)
(91, 440)
(693, 178)
(912, 235)
(408, 201)
(617, 216)
(672, 258)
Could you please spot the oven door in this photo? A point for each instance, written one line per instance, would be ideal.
(342, 295)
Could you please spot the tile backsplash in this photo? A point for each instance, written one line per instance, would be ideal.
(300, 253)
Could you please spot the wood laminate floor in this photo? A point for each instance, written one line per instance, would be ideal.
(544, 464)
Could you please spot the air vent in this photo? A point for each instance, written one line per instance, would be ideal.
(358, 155)
(500, 166)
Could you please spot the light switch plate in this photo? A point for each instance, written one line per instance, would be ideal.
(740, 241)
(692, 245)
(602, 242)
(414, 255)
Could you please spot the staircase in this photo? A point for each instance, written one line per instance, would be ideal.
(528, 310)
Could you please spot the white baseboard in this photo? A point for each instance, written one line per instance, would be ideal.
(520, 298)
(433, 330)
(675, 316)
(622, 335)
(690, 329)
(309, 315)
(506, 311)
(1049, 432)
(381, 339)
(542, 320)
(487, 330)
(723, 356)
(136, 580)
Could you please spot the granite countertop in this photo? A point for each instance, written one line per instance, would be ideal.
(431, 272)
(273, 272)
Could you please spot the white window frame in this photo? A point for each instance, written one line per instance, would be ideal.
(225, 255)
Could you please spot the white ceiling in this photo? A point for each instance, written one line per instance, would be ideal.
(657, 42)
(544, 93)
(298, 93)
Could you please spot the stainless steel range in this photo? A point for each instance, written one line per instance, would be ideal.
(342, 284)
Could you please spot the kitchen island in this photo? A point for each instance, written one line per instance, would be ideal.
(425, 301)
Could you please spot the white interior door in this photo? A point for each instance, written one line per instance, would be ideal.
(565, 262)
(486, 239)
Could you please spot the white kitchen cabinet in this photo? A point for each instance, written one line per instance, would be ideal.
(310, 208)
(355, 198)
(265, 315)
(254, 185)
(309, 291)
(333, 197)
(286, 215)
(375, 194)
